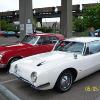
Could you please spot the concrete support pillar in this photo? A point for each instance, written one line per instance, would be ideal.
(66, 18)
(25, 16)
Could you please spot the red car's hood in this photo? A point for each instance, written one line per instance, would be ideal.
(14, 46)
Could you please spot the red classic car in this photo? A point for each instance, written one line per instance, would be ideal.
(30, 45)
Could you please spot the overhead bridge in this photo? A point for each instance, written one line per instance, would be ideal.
(39, 13)
(47, 12)
(50, 12)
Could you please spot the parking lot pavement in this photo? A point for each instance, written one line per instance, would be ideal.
(85, 89)
(77, 92)
(2, 97)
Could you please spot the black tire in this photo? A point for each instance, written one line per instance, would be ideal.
(64, 82)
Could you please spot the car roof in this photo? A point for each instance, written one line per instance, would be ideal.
(84, 39)
(42, 34)
(60, 36)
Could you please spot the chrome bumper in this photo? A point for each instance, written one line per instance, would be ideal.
(26, 81)
(37, 88)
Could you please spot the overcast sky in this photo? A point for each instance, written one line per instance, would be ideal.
(6, 5)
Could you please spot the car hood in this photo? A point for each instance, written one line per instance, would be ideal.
(43, 61)
(13, 46)
(40, 63)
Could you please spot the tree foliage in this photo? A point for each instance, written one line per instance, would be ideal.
(78, 24)
(90, 18)
(6, 26)
(3, 24)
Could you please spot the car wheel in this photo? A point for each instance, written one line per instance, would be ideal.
(64, 82)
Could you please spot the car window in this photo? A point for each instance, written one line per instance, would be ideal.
(53, 39)
(60, 45)
(30, 39)
(74, 47)
(47, 40)
(43, 40)
(94, 47)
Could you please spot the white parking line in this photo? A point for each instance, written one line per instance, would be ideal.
(8, 94)
(4, 82)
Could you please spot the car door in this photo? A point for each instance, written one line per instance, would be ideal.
(44, 44)
(90, 62)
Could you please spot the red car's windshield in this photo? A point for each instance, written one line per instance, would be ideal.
(30, 39)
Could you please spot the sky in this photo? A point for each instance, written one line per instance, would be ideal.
(7, 5)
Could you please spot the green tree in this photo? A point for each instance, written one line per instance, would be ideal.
(6, 26)
(11, 27)
(78, 24)
(3, 25)
(91, 16)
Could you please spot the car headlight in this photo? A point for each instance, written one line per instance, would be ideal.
(1, 57)
(34, 77)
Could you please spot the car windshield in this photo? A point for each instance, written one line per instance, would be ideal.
(30, 39)
(70, 47)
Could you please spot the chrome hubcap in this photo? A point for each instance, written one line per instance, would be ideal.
(65, 82)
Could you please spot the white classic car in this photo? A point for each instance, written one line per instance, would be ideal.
(71, 60)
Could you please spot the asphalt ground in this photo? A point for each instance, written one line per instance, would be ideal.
(84, 89)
